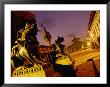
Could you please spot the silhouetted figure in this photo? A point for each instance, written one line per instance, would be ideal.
(59, 44)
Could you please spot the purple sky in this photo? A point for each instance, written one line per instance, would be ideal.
(63, 23)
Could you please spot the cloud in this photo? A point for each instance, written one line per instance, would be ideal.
(47, 22)
(70, 35)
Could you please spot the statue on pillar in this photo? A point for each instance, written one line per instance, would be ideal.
(26, 46)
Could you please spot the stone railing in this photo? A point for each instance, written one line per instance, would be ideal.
(36, 71)
(84, 51)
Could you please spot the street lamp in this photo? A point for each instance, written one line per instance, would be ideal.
(88, 44)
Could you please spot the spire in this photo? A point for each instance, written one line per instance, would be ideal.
(46, 35)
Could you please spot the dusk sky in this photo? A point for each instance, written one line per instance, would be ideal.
(63, 23)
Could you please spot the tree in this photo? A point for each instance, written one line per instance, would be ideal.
(76, 44)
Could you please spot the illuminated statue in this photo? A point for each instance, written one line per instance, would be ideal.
(26, 46)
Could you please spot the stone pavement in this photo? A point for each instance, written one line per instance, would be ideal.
(86, 69)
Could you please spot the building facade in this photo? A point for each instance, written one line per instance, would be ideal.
(94, 30)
